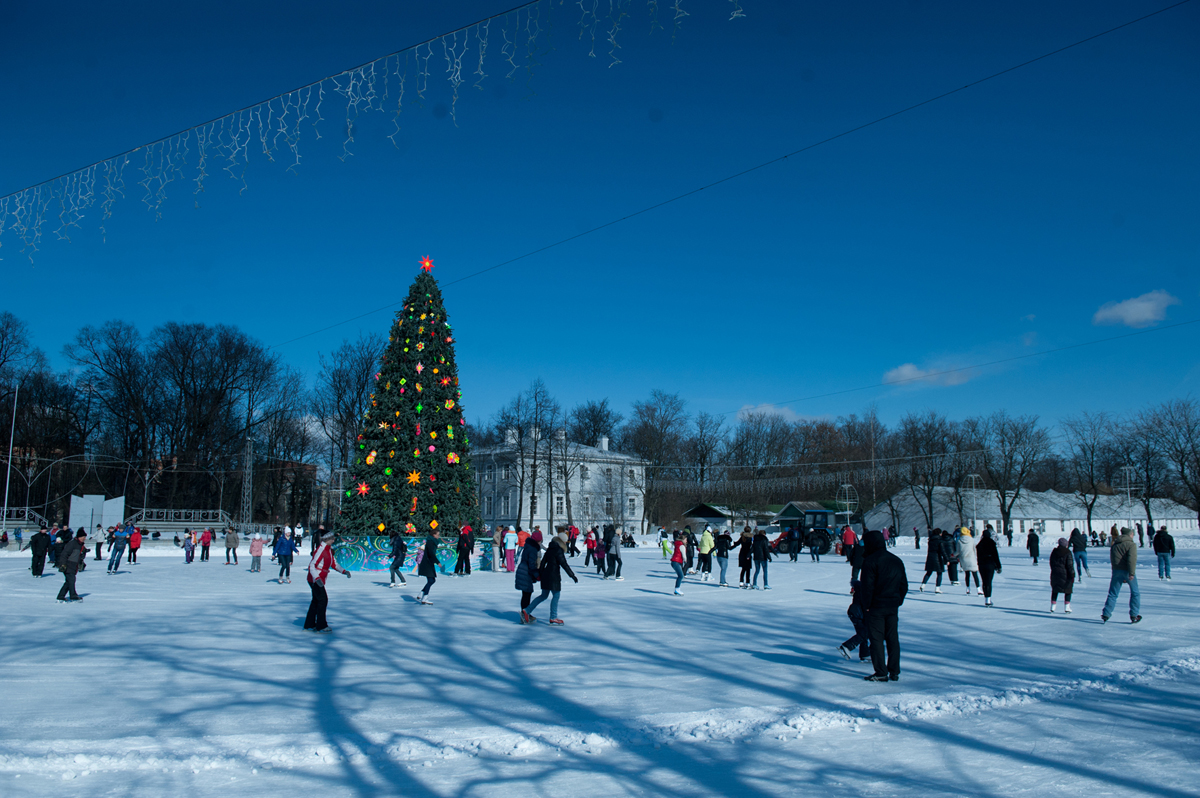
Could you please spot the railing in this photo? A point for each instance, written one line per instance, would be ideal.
(14, 515)
(217, 518)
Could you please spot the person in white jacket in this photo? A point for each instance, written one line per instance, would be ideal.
(967, 560)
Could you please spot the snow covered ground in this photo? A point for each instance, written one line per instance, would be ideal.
(173, 679)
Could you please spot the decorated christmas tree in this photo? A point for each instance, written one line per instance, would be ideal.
(412, 470)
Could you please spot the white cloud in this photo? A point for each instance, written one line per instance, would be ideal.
(786, 413)
(1141, 311)
(1030, 317)
(911, 373)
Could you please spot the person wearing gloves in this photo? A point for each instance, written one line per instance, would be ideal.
(428, 566)
(528, 571)
(554, 562)
(120, 540)
(967, 559)
(722, 544)
(285, 550)
(318, 571)
(231, 544)
(1062, 574)
(1123, 555)
(988, 557)
(256, 549)
(71, 560)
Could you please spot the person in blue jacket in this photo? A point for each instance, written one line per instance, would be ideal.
(285, 550)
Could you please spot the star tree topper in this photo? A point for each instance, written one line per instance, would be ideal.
(427, 264)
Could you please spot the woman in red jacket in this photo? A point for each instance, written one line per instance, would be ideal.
(318, 571)
(677, 562)
(135, 543)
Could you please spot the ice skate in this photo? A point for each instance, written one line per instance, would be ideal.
(844, 652)
(921, 589)
(1067, 609)
(556, 622)
(1052, 606)
(1134, 619)
(678, 592)
(937, 590)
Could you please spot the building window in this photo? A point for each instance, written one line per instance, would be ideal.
(608, 505)
(490, 472)
(608, 474)
(631, 475)
(587, 506)
(583, 474)
(487, 505)
(533, 504)
(507, 473)
(633, 506)
(560, 505)
(507, 506)
(533, 475)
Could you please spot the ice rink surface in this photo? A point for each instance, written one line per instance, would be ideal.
(174, 679)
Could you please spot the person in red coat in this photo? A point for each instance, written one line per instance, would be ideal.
(205, 542)
(318, 571)
(135, 543)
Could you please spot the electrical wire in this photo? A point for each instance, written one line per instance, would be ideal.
(777, 160)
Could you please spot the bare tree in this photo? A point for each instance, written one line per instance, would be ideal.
(1176, 426)
(925, 439)
(655, 432)
(590, 421)
(702, 447)
(544, 416)
(1012, 449)
(343, 391)
(1089, 443)
(1137, 444)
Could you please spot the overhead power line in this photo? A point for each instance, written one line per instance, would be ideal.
(777, 160)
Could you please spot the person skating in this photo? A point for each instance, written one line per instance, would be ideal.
(589, 545)
(428, 567)
(707, 544)
(861, 639)
(1033, 545)
(464, 549)
(689, 538)
(848, 541)
(276, 534)
(1079, 545)
(600, 555)
(856, 561)
(231, 545)
(527, 572)
(1062, 575)
(554, 562)
(573, 541)
(39, 545)
(988, 557)
(189, 546)
(135, 543)
(1123, 556)
(1164, 550)
(614, 557)
(510, 549)
(98, 540)
(935, 561)
(120, 541)
(814, 546)
(319, 567)
(677, 559)
(285, 550)
(71, 560)
(206, 538)
(967, 559)
(745, 557)
(795, 539)
(949, 541)
(721, 547)
(884, 586)
(399, 554)
(256, 550)
(760, 552)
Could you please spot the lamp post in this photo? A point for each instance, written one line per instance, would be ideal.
(973, 483)
(12, 432)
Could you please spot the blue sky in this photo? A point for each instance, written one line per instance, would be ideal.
(1010, 218)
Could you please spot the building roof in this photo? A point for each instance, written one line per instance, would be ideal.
(579, 451)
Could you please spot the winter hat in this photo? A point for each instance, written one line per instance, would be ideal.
(1062, 542)
(1126, 530)
(965, 531)
(536, 535)
(82, 533)
(328, 537)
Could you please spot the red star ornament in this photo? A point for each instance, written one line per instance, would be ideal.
(427, 264)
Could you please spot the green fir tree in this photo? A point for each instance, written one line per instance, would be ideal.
(412, 470)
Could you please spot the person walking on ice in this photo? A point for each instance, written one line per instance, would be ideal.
(256, 550)
(1164, 550)
(71, 560)
(1079, 546)
(527, 572)
(1123, 555)
(318, 571)
(988, 557)
(231, 544)
(429, 561)
(398, 555)
(1062, 575)
(967, 559)
(285, 550)
(884, 585)
(1032, 543)
(554, 562)
(935, 561)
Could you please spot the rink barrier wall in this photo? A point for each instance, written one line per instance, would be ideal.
(374, 553)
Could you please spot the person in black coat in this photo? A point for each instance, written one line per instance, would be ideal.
(428, 567)
(1032, 545)
(466, 546)
(1164, 550)
(856, 560)
(744, 560)
(39, 545)
(527, 571)
(398, 555)
(1062, 574)
(71, 560)
(723, 542)
(760, 553)
(884, 585)
(861, 640)
(988, 557)
(935, 560)
(554, 562)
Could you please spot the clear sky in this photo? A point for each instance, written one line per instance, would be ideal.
(1010, 218)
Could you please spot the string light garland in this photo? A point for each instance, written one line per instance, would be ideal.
(275, 127)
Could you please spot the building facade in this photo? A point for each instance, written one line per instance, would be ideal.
(550, 482)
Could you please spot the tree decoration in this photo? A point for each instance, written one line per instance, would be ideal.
(418, 422)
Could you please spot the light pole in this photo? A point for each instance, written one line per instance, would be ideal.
(12, 432)
(973, 483)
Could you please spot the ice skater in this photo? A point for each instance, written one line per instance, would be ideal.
(884, 585)
(231, 545)
(988, 557)
(861, 640)
(600, 555)
(285, 550)
(935, 561)
(967, 559)
(721, 546)
(760, 552)
(428, 567)
(745, 557)
(1079, 546)
(398, 555)
(527, 572)
(1033, 545)
(318, 571)
(38, 545)
(256, 550)
(707, 544)
(466, 546)
(554, 562)
(71, 560)
(510, 549)
(1164, 550)
(189, 546)
(1062, 575)
(120, 540)
(677, 559)
(1123, 556)
(614, 558)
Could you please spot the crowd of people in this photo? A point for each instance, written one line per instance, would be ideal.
(878, 581)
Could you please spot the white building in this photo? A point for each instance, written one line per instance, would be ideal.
(1055, 513)
(560, 482)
